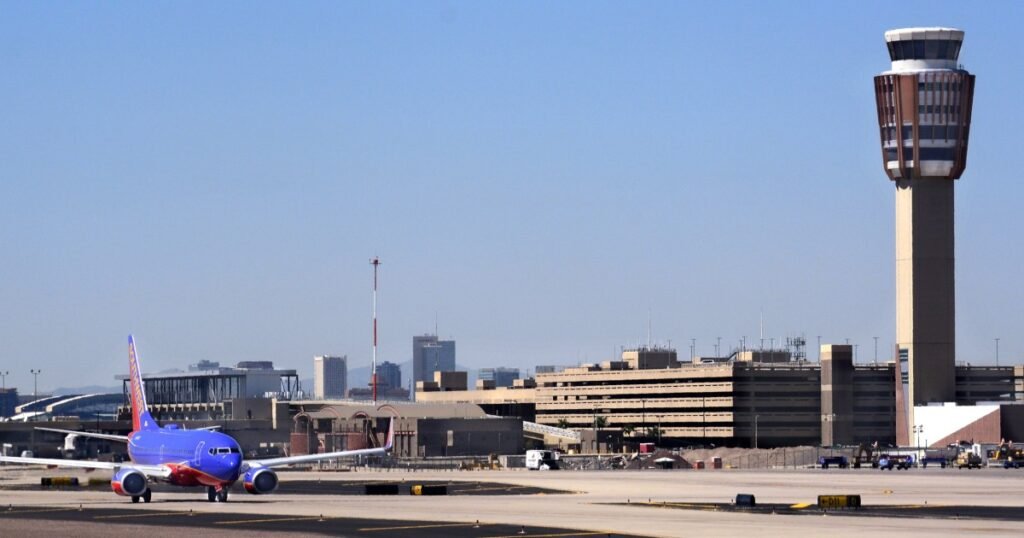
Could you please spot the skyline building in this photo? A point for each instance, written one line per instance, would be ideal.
(501, 376)
(389, 375)
(429, 355)
(330, 377)
(924, 115)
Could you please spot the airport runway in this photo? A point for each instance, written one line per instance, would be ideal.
(599, 502)
(39, 519)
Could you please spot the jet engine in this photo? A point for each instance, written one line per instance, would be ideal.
(259, 481)
(128, 483)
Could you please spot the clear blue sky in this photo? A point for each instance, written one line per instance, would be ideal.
(542, 176)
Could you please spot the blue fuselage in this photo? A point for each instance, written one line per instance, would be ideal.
(195, 457)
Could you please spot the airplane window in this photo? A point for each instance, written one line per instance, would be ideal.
(234, 450)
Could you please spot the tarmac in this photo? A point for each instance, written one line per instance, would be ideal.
(918, 502)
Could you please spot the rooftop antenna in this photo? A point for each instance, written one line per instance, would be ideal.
(375, 262)
(648, 328)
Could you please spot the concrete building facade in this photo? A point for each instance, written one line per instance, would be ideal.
(330, 377)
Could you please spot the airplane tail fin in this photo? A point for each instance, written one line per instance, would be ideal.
(391, 435)
(141, 419)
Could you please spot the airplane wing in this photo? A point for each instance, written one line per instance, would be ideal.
(308, 458)
(107, 436)
(159, 471)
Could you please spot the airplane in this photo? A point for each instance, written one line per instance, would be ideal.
(189, 458)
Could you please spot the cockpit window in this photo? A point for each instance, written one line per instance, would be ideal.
(223, 450)
(234, 450)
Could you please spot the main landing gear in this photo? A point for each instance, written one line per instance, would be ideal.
(146, 496)
(215, 496)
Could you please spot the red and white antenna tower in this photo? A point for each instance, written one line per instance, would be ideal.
(375, 262)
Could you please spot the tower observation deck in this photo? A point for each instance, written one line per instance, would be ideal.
(924, 117)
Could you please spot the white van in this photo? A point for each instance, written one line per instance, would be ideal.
(541, 460)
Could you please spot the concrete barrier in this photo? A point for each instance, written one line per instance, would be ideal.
(381, 489)
(50, 481)
(424, 489)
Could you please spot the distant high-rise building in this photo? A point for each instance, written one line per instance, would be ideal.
(203, 365)
(548, 369)
(389, 375)
(502, 377)
(330, 377)
(8, 401)
(431, 355)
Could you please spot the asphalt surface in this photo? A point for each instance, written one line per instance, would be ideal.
(329, 487)
(40, 518)
(957, 512)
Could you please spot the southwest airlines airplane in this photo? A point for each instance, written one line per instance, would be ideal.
(194, 458)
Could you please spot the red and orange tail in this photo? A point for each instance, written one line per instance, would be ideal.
(141, 419)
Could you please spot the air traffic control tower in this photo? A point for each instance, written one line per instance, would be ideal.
(924, 117)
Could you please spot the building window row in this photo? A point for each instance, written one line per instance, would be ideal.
(941, 86)
(924, 49)
(924, 132)
(926, 154)
(938, 109)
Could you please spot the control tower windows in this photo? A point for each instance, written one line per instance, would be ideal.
(924, 49)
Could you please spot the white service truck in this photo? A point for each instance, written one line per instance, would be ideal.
(541, 460)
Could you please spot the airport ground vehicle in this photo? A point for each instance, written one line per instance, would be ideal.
(833, 461)
(541, 460)
(1009, 456)
(865, 456)
(969, 460)
(902, 462)
(934, 460)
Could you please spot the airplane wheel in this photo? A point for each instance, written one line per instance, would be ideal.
(135, 499)
(211, 494)
(222, 496)
(147, 496)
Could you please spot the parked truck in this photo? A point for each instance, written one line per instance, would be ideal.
(902, 462)
(833, 461)
(541, 460)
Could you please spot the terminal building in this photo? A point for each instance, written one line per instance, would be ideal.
(216, 393)
(754, 399)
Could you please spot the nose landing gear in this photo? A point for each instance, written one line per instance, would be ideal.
(214, 496)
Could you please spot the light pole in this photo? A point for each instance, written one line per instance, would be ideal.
(4, 375)
(718, 346)
(819, 349)
(755, 429)
(35, 383)
(997, 352)
(876, 349)
(918, 430)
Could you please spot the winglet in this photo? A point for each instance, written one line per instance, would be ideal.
(391, 435)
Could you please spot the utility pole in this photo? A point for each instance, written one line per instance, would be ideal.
(35, 383)
(375, 262)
